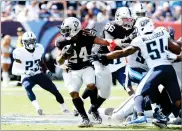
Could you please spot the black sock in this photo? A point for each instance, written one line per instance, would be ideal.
(94, 108)
(85, 93)
(93, 96)
(80, 107)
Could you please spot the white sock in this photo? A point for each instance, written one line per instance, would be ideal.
(63, 106)
(154, 106)
(36, 105)
(5, 77)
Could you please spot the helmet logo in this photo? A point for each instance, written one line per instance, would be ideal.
(143, 23)
(75, 24)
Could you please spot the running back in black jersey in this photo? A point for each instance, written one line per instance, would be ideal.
(114, 31)
(82, 46)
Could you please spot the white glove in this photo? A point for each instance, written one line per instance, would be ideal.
(30, 72)
(171, 56)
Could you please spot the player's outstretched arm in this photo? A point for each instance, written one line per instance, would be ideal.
(101, 41)
(122, 53)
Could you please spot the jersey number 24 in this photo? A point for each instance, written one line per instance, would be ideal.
(83, 54)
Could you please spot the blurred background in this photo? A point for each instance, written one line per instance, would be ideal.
(42, 17)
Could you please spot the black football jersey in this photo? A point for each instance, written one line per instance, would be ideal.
(114, 31)
(82, 46)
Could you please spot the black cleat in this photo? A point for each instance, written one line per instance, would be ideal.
(96, 117)
(85, 123)
(160, 120)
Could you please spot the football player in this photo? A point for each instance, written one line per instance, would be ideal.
(121, 30)
(75, 50)
(28, 63)
(154, 46)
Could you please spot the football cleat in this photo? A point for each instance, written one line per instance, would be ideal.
(160, 120)
(96, 117)
(40, 112)
(140, 119)
(85, 123)
(66, 111)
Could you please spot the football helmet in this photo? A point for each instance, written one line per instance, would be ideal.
(144, 25)
(29, 40)
(124, 18)
(140, 10)
(70, 27)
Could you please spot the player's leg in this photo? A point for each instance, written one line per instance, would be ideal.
(173, 89)
(148, 86)
(43, 81)
(103, 83)
(74, 87)
(121, 77)
(89, 79)
(28, 84)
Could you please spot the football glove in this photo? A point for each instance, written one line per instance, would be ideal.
(170, 55)
(99, 57)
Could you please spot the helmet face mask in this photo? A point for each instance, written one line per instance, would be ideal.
(140, 14)
(29, 40)
(140, 10)
(30, 44)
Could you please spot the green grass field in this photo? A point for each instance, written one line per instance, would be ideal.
(16, 107)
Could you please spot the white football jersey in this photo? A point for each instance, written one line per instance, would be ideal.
(136, 60)
(153, 47)
(29, 61)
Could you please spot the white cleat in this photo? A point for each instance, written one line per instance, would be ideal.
(40, 112)
(66, 111)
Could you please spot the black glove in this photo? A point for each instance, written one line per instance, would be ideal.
(67, 51)
(99, 57)
(51, 75)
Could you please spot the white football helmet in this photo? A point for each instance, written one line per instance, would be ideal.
(144, 25)
(124, 18)
(140, 10)
(29, 40)
(70, 27)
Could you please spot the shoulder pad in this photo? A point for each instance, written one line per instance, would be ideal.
(17, 52)
(40, 47)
